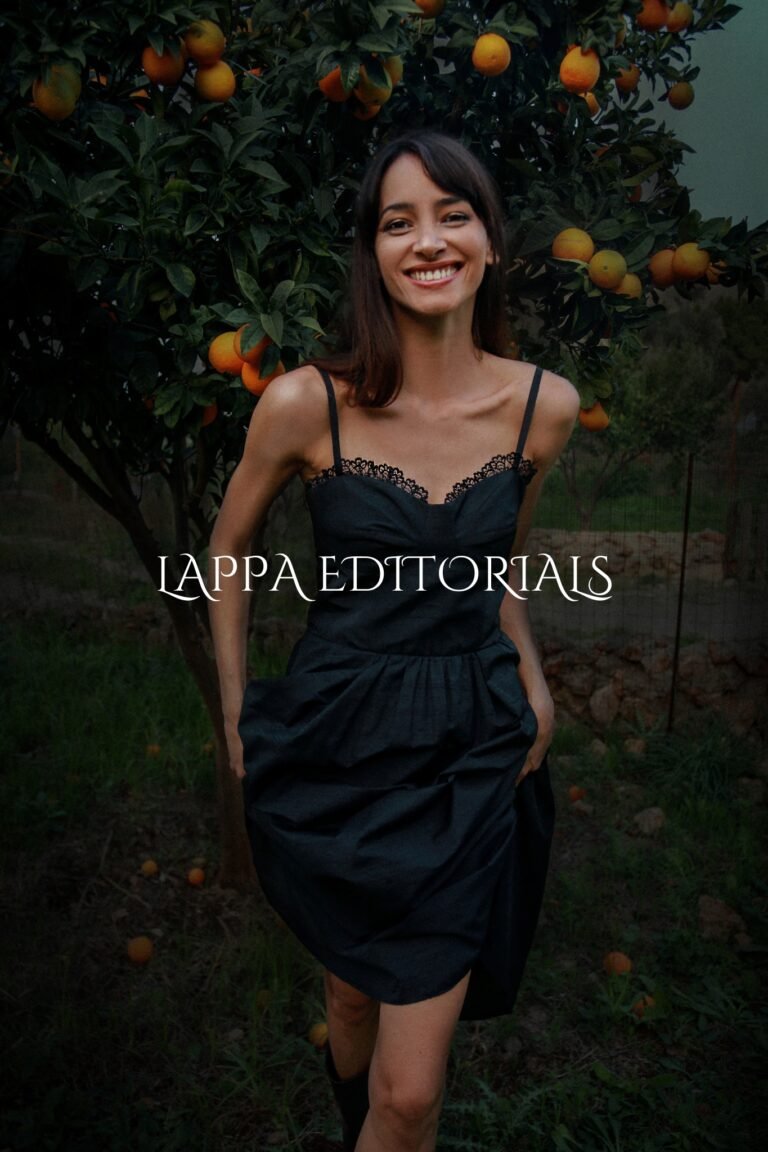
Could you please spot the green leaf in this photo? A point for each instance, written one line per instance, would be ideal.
(182, 278)
(281, 293)
(272, 323)
(249, 287)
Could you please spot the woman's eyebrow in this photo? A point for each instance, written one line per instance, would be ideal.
(406, 206)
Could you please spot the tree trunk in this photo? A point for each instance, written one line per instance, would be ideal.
(114, 495)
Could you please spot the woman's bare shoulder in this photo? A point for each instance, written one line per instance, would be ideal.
(558, 397)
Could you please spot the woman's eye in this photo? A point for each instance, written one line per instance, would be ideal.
(452, 217)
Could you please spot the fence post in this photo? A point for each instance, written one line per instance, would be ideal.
(680, 591)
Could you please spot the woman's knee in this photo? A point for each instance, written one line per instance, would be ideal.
(407, 1100)
(346, 1001)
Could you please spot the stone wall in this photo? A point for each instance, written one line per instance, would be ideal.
(620, 685)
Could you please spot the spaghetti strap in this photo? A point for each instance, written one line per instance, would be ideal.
(334, 415)
(528, 414)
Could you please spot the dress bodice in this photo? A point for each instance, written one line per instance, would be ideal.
(399, 573)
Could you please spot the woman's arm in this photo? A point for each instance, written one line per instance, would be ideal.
(556, 411)
(283, 425)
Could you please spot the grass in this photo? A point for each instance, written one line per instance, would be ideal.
(205, 1048)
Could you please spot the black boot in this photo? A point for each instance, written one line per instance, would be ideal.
(351, 1096)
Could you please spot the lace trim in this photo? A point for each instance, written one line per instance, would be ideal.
(502, 463)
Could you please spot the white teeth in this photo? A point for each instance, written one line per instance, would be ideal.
(438, 274)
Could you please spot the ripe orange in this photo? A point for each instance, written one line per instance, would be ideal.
(681, 95)
(579, 71)
(368, 92)
(631, 285)
(393, 66)
(222, 355)
(205, 41)
(254, 355)
(255, 383)
(715, 271)
(617, 963)
(332, 88)
(196, 877)
(215, 82)
(654, 15)
(140, 949)
(628, 78)
(153, 750)
(690, 262)
(149, 868)
(573, 244)
(607, 268)
(594, 418)
(318, 1034)
(591, 102)
(431, 8)
(57, 99)
(660, 268)
(166, 68)
(639, 1006)
(210, 412)
(680, 17)
(575, 792)
(491, 54)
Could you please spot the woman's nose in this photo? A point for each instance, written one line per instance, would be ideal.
(428, 240)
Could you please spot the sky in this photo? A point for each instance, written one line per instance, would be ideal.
(727, 123)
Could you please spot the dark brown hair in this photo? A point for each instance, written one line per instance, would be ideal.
(368, 355)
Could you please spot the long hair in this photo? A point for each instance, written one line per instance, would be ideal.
(368, 355)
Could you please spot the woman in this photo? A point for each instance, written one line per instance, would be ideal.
(395, 779)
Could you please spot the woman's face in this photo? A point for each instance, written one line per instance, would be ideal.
(431, 246)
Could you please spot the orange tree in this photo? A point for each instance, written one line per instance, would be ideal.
(173, 172)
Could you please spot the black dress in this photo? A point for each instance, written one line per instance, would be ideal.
(386, 827)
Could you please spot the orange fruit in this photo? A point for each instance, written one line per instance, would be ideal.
(393, 66)
(215, 82)
(715, 271)
(631, 285)
(617, 963)
(681, 95)
(579, 71)
(57, 99)
(205, 42)
(222, 355)
(165, 68)
(254, 355)
(318, 1034)
(491, 54)
(607, 268)
(591, 101)
(639, 1006)
(573, 244)
(255, 383)
(594, 418)
(680, 17)
(628, 78)
(431, 8)
(332, 88)
(210, 412)
(140, 949)
(153, 750)
(196, 877)
(368, 92)
(654, 15)
(576, 793)
(660, 268)
(365, 111)
(690, 262)
(635, 194)
(149, 868)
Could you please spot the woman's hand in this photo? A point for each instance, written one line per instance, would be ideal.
(544, 709)
(234, 748)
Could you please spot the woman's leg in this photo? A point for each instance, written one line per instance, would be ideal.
(353, 1020)
(407, 1077)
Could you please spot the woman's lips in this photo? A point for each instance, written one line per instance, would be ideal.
(437, 281)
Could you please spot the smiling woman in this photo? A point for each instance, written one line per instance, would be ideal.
(395, 779)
